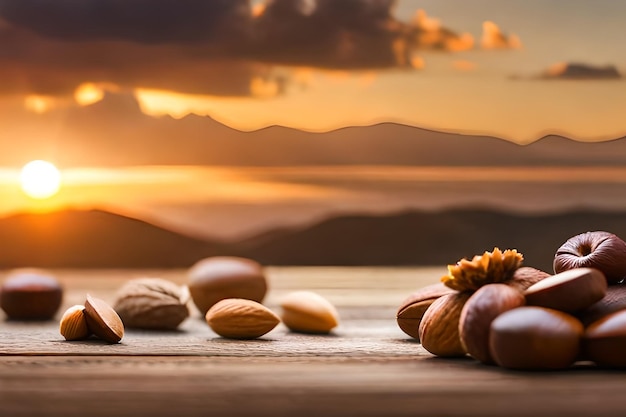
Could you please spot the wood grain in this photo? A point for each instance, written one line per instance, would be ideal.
(368, 367)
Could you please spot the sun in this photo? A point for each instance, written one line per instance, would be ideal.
(40, 179)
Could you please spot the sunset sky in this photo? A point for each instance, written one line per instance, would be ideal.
(449, 65)
(90, 86)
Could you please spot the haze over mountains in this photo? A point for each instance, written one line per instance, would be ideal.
(97, 239)
(116, 132)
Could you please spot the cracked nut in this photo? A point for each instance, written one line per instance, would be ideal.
(73, 325)
(412, 309)
(103, 321)
(237, 318)
(152, 303)
(308, 312)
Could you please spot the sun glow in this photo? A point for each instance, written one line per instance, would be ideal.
(40, 179)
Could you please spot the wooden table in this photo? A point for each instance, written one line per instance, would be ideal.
(368, 367)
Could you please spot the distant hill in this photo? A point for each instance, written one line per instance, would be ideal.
(98, 239)
(96, 134)
(94, 239)
(437, 238)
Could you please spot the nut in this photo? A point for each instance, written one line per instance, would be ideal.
(526, 276)
(217, 278)
(31, 295)
(412, 309)
(568, 291)
(613, 301)
(237, 318)
(535, 338)
(601, 250)
(152, 303)
(103, 321)
(308, 312)
(439, 329)
(479, 311)
(605, 341)
(73, 325)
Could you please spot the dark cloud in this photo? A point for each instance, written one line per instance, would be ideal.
(579, 71)
(135, 20)
(217, 47)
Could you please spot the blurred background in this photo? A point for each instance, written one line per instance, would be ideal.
(307, 132)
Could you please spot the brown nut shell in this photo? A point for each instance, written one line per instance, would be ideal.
(412, 309)
(600, 250)
(526, 276)
(439, 329)
(30, 296)
(535, 338)
(479, 311)
(605, 341)
(613, 301)
(220, 277)
(103, 321)
(152, 303)
(568, 291)
(237, 318)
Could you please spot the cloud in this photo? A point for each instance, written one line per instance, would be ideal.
(137, 20)
(579, 71)
(494, 38)
(428, 33)
(219, 47)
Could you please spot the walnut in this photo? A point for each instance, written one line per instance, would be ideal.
(152, 303)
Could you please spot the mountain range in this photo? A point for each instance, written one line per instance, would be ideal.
(99, 239)
(114, 131)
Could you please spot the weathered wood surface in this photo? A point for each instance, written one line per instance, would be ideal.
(368, 367)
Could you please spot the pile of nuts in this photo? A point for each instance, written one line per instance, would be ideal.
(518, 317)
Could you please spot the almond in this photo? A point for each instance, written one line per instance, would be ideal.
(103, 321)
(439, 328)
(238, 318)
(308, 312)
(73, 324)
(412, 309)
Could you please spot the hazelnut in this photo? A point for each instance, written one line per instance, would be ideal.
(605, 340)
(439, 328)
(216, 278)
(412, 309)
(31, 296)
(479, 311)
(568, 291)
(73, 325)
(103, 321)
(308, 312)
(601, 250)
(236, 318)
(535, 338)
